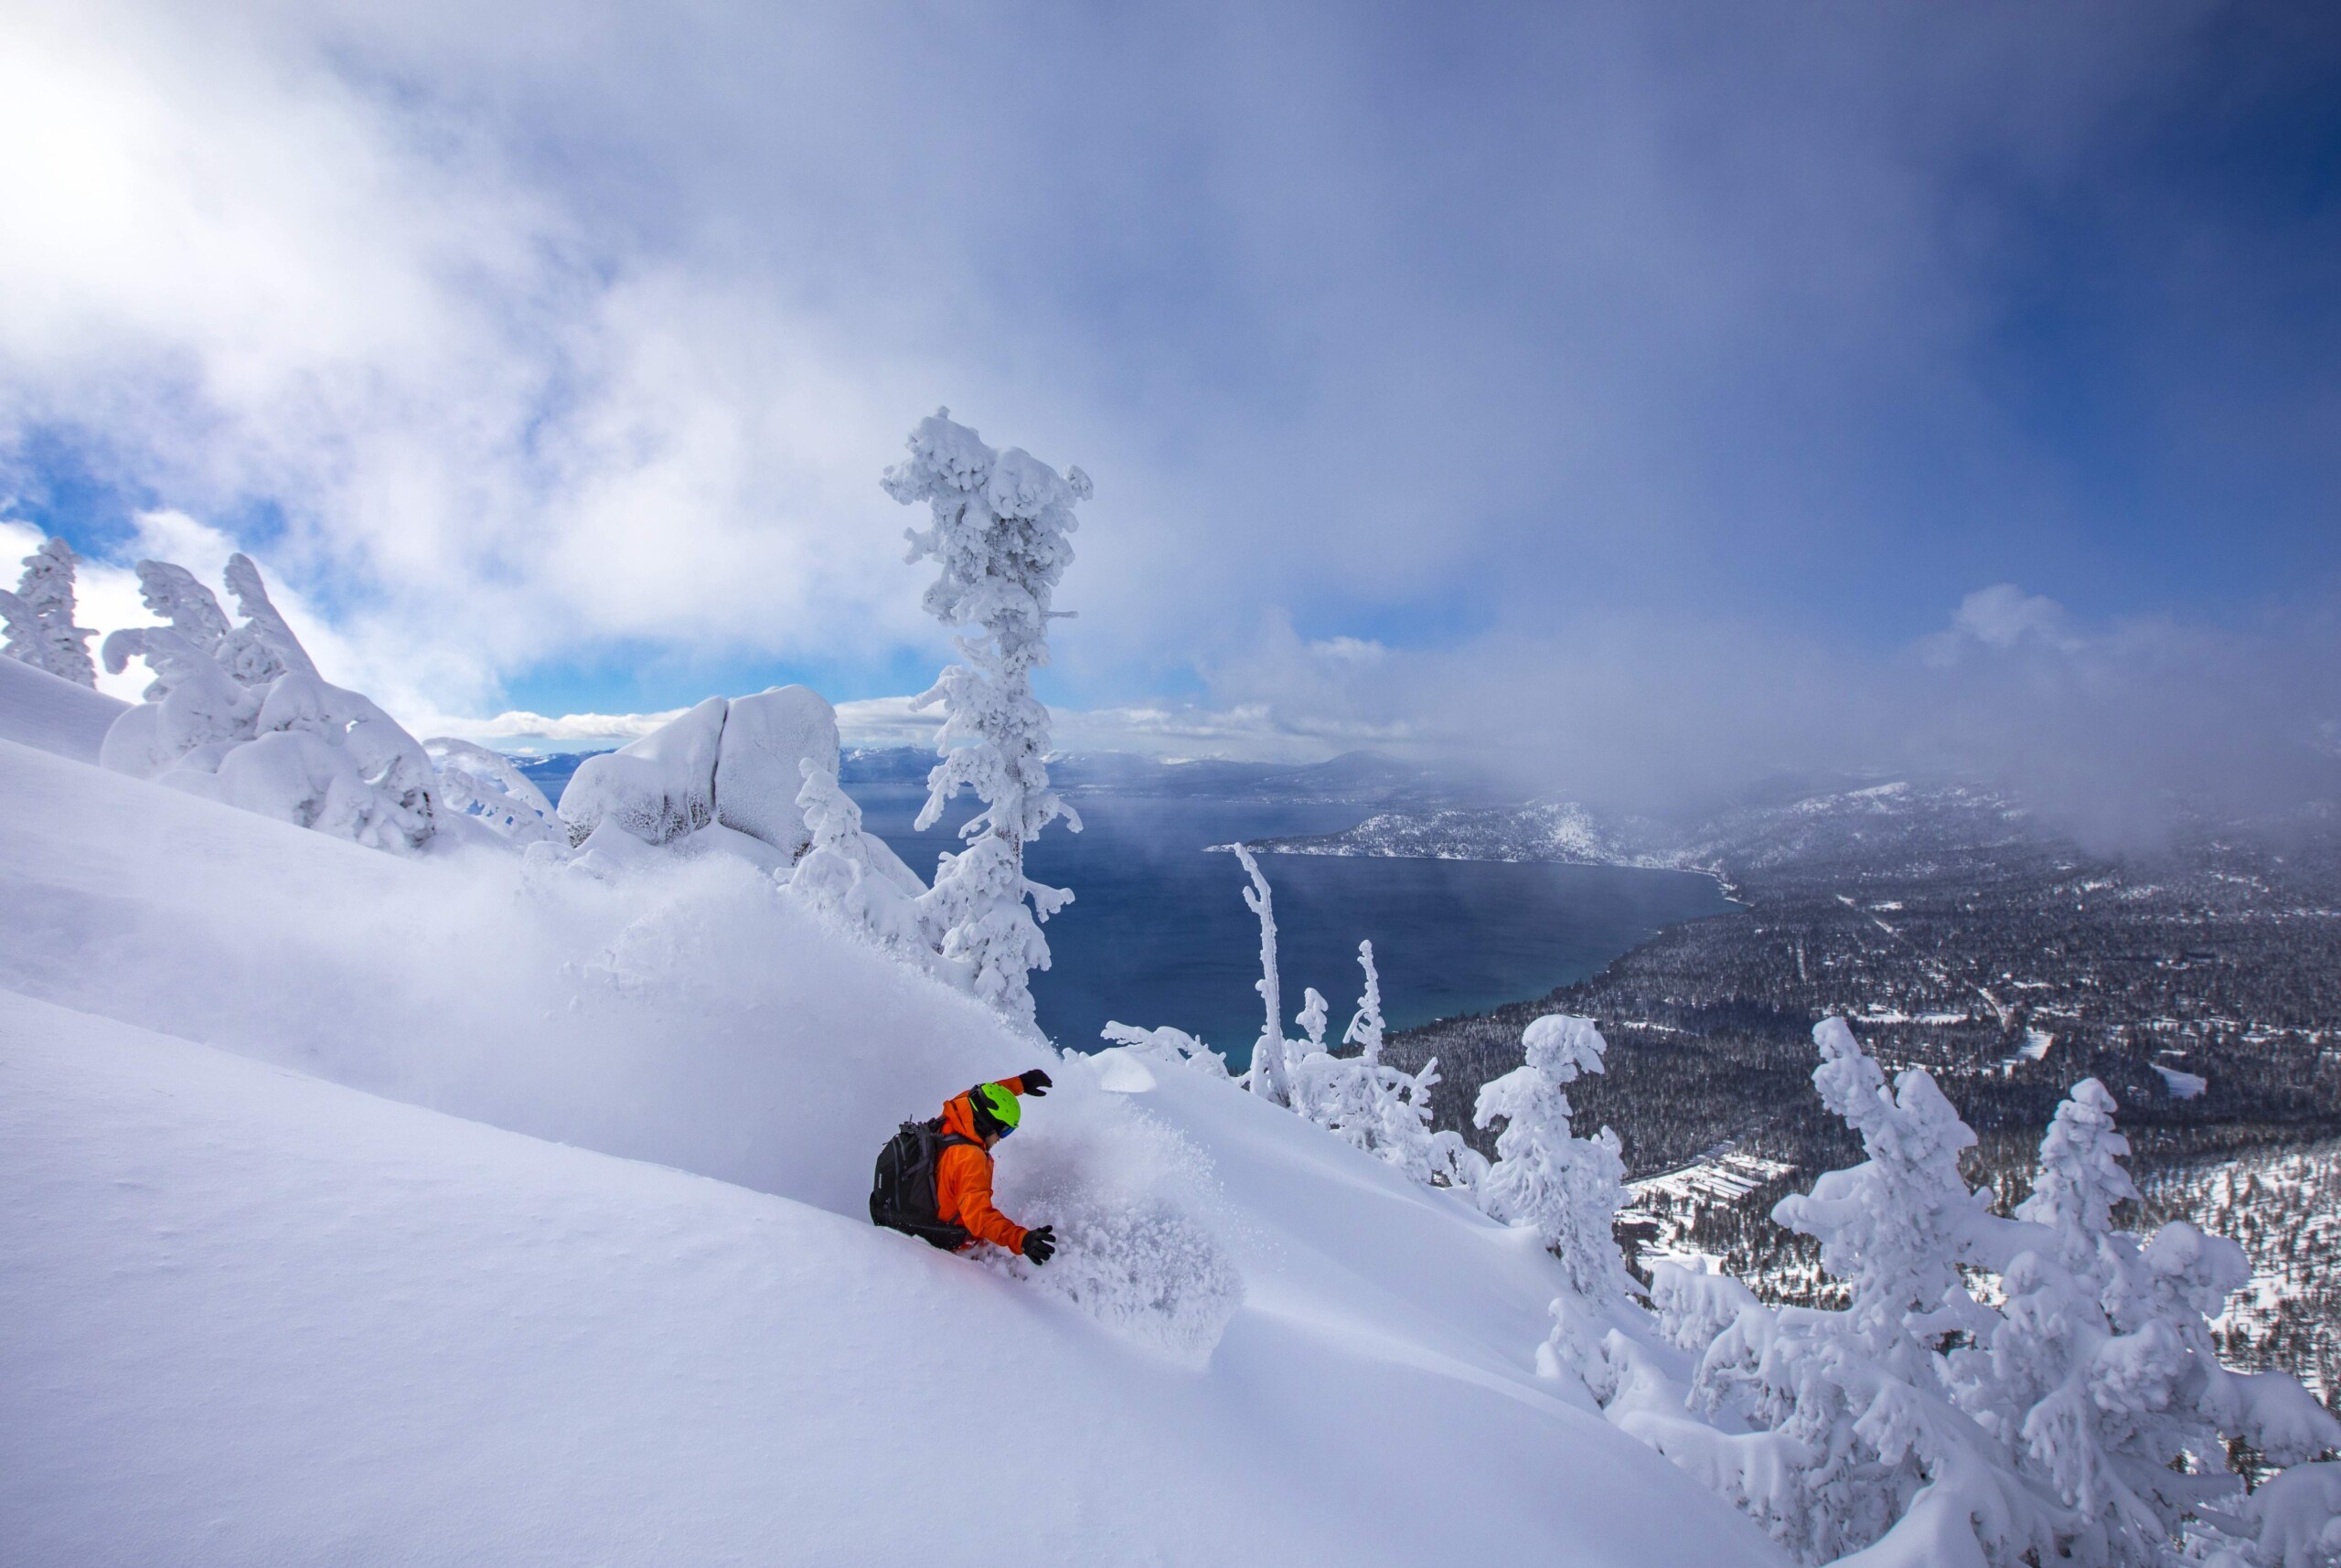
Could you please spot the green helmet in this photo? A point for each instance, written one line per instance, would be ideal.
(993, 1103)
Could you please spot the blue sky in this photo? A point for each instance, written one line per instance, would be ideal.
(1621, 395)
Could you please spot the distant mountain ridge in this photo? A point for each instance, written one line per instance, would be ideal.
(1555, 831)
(1895, 818)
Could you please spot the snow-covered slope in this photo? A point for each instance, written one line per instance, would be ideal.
(251, 1315)
(38, 709)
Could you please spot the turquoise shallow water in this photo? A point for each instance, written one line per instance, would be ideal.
(1158, 932)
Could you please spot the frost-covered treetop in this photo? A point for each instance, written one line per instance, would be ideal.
(1001, 535)
(38, 617)
(1560, 1046)
(2081, 1178)
(1893, 1227)
(264, 648)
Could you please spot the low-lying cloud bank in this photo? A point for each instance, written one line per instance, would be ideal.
(2114, 730)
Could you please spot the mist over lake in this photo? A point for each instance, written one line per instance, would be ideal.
(1158, 932)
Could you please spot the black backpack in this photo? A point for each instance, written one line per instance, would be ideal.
(901, 1197)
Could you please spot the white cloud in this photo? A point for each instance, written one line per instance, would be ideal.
(522, 732)
(532, 334)
(548, 329)
(2000, 617)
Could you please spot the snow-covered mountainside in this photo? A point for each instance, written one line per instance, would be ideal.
(1805, 830)
(41, 710)
(474, 1209)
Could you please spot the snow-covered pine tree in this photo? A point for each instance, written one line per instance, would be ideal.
(1838, 1434)
(1270, 1075)
(39, 617)
(238, 714)
(843, 877)
(2086, 1423)
(264, 648)
(2102, 1378)
(1896, 1227)
(1001, 538)
(1566, 1188)
(172, 593)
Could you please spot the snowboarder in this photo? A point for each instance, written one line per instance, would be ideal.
(933, 1179)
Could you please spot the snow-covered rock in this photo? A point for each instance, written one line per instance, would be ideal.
(732, 762)
(759, 770)
(655, 789)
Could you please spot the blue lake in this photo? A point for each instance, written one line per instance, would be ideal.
(1158, 931)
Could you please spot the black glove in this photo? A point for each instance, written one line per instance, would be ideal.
(1041, 1244)
(1036, 1083)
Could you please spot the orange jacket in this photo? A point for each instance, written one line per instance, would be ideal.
(963, 1178)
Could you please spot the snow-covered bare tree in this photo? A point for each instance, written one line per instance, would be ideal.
(1271, 1072)
(1002, 538)
(38, 617)
(1312, 1016)
(1367, 1102)
(1337, 1092)
(1365, 1030)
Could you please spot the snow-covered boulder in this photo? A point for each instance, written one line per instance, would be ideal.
(657, 788)
(759, 768)
(238, 713)
(724, 775)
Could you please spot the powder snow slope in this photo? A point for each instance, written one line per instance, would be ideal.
(248, 1315)
(37, 708)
